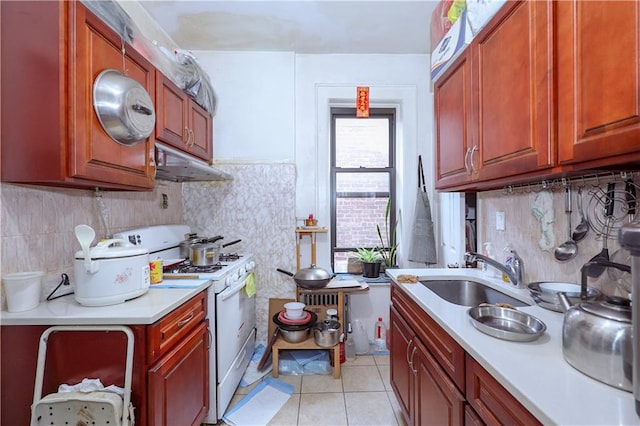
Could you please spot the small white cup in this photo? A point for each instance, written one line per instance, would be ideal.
(294, 310)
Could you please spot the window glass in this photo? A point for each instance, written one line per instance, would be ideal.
(362, 182)
(362, 142)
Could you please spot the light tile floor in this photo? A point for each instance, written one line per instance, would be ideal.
(362, 396)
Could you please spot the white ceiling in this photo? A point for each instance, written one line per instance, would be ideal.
(303, 26)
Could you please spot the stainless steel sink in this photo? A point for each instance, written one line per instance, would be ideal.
(469, 293)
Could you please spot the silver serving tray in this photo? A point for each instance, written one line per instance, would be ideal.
(506, 323)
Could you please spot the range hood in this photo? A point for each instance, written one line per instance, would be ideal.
(176, 166)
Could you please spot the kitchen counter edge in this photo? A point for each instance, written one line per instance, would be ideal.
(533, 372)
(146, 309)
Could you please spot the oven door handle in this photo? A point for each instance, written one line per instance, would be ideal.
(227, 293)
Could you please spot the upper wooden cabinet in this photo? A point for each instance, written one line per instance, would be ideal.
(598, 68)
(181, 122)
(513, 94)
(52, 52)
(555, 90)
(455, 147)
(494, 105)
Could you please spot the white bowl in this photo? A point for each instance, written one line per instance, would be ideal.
(294, 310)
(22, 290)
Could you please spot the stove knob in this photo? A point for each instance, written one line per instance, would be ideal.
(250, 265)
(228, 280)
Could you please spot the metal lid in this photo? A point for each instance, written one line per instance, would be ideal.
(613, 308)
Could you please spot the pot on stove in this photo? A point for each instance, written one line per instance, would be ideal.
(117, 271)
(207, 253)
(190, 240)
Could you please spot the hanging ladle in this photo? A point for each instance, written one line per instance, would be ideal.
(569, 248)
(582, 229)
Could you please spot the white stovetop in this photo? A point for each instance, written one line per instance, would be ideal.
(146, 309)
(534, 372)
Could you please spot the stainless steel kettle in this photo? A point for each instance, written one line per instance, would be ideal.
(629, 238)
(597, 339)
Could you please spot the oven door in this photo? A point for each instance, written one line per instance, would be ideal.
(235, 321)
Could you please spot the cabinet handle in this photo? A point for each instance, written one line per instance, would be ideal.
(193, 138)
(186, 130)
(409, 347)
(466, 160)
(473, 165)
(185, 321)
(413, 352)
(142, 109)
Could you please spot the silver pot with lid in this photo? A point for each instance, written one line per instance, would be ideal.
(327, 333)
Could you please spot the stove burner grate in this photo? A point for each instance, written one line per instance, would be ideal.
(187, 268)
(227, 257)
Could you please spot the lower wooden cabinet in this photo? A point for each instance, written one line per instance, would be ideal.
(438, 400)
(426, 366)
(492, 402)
(177, 393)
(169, 385)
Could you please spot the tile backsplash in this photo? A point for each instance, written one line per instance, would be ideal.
(536, 223)
(37, 231)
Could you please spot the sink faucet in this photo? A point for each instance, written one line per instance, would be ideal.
(515, 272)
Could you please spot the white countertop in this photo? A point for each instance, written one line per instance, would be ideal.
(535, 372)
(146, 309)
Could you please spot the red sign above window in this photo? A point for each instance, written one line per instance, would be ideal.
(362, 102)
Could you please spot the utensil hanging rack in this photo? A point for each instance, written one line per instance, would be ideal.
(594, 179)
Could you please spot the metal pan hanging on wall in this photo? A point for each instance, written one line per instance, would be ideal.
(124, 108)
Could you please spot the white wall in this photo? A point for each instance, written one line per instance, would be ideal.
(322, 81)
(255, 117)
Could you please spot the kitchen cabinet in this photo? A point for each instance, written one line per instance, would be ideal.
(455, 147)
(435, 381)
(492, 402)
(494, 105)
(170, 366)
(50, 133)
(598, 71)
(181, 122)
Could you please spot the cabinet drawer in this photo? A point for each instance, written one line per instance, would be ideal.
(175, 326)
(442, 346)
(492, 402)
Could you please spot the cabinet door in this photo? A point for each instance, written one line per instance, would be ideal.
(513, 103)
(402, 377)
(181, 122)
(598, 82)
(438, 400)
(201, 124)
(93, 154)
(178, 383)
(493, 403)
(172, 125)
(454, 145)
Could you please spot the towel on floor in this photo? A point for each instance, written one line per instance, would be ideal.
(259, 406)
(252, 374)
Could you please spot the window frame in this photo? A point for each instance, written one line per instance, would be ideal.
(344, 112)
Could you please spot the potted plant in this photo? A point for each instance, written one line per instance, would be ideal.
(387, 250)
(370, 259)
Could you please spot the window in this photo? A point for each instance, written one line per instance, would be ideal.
(362, 180)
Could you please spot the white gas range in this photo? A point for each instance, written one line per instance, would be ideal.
(231, 312)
